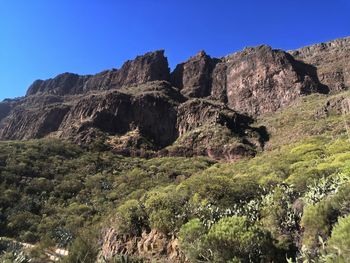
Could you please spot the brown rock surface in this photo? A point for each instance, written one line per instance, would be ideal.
(23, 123)
(255, 81)
(211, 128)
(152, 111)
(6, 106)
(149, 67)
(202, 110)
(261, 80)
(339, 105)
(332, 60)
(193, 77)
(151, 246)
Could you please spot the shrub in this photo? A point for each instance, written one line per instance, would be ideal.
(84, 248)
(165, 208)
(231, 239)
(280, 217)
(315, 223)
(222, 190)
(339, 242)
(234, 237)
(131, 218)
(191, 237)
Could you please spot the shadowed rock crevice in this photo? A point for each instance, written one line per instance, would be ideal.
(331, 60)
(211, 128)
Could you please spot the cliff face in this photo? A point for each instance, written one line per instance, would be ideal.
(261, 80)
(254, 81)
(206, 106)
(193, 77)
(151, 111)
(331, 60)
(149, 67)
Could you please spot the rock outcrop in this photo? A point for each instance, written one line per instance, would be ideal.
(6, 106)
(24, 123)
(211, 128)
(332, 60)
(149, 67)
(254, 81)
(149, 108)
(193, 77)
(340, 105)
(206, 106)
(261, 80)
(151, 246)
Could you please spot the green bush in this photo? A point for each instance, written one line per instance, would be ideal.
(221, 190)
(316, 223)
(339, 242)
(280, 217)
(131, 218)
(84, 248)
(165, 208)
(192, 241)
(234, 237)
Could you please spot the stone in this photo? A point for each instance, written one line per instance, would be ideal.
(206, 106)
(149, 67)
(331, 60)
(193, 77)
(262, 80)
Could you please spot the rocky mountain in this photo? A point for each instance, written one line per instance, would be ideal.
(149, 67)
(206, 106)
(247, 160)
(331, 60)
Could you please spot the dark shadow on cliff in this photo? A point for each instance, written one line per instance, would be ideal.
(309, 70)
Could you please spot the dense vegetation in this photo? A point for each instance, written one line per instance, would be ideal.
(290, 203)
(50, 190)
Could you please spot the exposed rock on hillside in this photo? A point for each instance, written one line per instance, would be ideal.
(255, 81)
(31, 117)
(115, 113)
(260, 80)
(149, 67)
(24, 123)
(150, 246)
(211, 128)
(201, 108)
(5, 107)
(197, 112)
(339, 105)
(63, 84)
(193, 77)
(332, 60)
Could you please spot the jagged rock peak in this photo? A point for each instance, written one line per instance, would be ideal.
(148, 67)
(201, 53)
(193, 77)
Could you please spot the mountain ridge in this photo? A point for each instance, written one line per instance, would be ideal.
(145, 96)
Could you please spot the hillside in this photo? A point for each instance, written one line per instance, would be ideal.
(243, 158)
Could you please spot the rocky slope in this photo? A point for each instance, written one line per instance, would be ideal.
(150, 246)
(206, 106)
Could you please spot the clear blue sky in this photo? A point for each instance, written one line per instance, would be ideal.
(42, 38)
